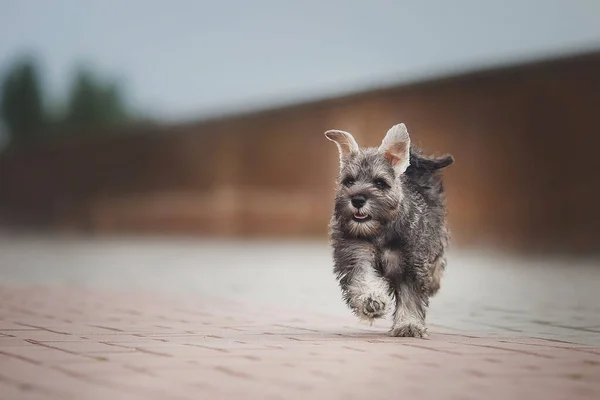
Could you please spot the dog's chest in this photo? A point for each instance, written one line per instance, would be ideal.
(391, 261)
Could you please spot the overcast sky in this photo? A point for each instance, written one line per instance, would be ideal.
(182, 59)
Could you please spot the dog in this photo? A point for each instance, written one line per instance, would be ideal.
(388, 230)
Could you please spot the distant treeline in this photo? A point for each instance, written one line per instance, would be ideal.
(29, 115)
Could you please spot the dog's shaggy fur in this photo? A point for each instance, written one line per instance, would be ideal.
(388, 229)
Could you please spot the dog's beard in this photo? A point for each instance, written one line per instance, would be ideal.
(363, 222)
(364, 229)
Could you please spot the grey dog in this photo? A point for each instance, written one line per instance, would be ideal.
(388, 230)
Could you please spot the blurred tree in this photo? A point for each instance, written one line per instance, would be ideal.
(21, 106)
(93, 103)
(113, 104)
(4, 138)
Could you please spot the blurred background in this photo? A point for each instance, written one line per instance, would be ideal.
(177, 146)
(206, 119)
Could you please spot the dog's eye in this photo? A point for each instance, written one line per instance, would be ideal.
(348, 182)
(381, 184)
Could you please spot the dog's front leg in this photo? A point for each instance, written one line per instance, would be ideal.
(365, 291)
(412, 301)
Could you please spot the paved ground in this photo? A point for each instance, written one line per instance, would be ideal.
(183, 319)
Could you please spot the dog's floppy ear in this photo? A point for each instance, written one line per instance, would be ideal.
(344, 141)
(396, 148)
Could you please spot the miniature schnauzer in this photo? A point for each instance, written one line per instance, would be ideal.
(388, 230)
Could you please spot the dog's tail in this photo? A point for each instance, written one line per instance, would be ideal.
(435, 163)
(423, 172)
(428, 164)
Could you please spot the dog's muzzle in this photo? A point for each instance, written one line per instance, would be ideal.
(358, 201)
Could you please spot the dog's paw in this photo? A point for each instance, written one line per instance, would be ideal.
(409, 329)
(371, 307)
(374, 307)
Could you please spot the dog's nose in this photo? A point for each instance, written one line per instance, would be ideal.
(358, 201)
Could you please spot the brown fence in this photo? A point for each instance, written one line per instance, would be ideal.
(525, 140)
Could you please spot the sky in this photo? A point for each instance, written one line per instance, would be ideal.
(185, 59)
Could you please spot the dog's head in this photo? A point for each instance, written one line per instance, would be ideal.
(370, 182)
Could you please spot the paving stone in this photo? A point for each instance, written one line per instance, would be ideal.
(60, 340)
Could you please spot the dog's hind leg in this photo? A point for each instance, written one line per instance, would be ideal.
(435, 276)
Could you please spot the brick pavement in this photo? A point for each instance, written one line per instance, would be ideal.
(64, 337)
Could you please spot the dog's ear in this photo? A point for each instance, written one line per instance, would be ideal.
(396, 148)
(344, 141)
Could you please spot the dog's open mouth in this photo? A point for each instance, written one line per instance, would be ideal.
(360, 217)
